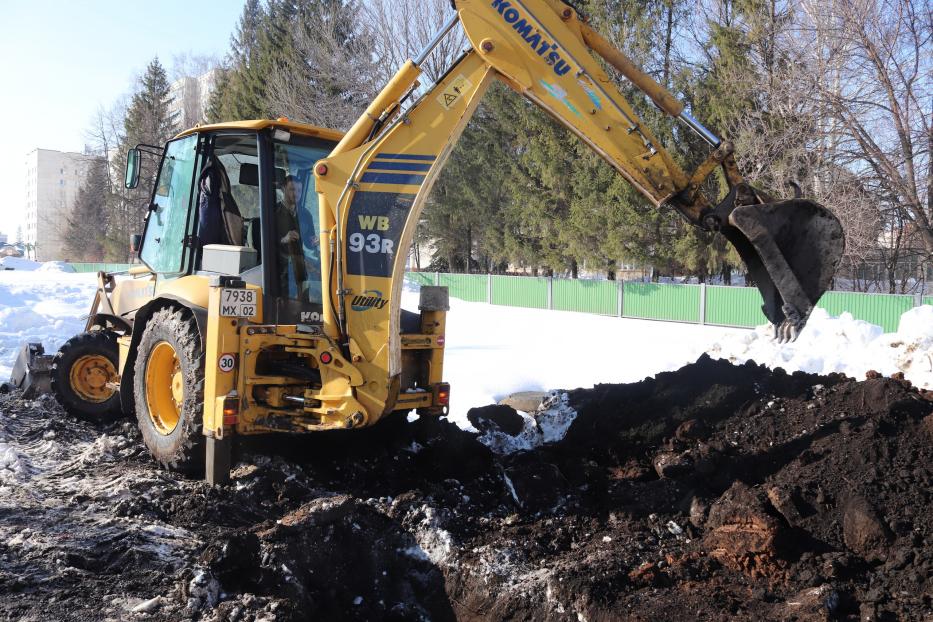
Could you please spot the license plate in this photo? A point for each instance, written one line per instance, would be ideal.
(238, 302)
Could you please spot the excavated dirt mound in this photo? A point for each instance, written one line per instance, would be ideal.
(713, 492)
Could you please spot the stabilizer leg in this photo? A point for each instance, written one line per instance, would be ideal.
(218, 458)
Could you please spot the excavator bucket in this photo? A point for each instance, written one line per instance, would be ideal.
(791, 249)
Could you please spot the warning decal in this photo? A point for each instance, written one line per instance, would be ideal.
(452, 92)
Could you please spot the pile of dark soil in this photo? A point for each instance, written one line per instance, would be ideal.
(713, 492)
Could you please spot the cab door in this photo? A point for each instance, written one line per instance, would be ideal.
(164, 248)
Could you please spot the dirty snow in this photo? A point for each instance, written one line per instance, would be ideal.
(546, 425)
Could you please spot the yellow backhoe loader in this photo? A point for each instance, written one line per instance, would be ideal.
(273, 253)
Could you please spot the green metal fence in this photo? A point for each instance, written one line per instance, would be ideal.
(520, 291)
(600, 297)
(422, 278)
(705, 304)
(734, 306)
(469, 287)
(882, 309)
(656, 301)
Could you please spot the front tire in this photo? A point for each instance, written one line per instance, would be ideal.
(81, 370)
(168, 389)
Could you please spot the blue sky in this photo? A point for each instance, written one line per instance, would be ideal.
(60, 61)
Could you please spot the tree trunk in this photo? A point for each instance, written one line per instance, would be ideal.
(611, 270)
(469, 248)
(574, 269)
(667, 43)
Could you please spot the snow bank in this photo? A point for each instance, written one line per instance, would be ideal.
(19, 263)
(844, 345)
(55, 266)
(40, 305)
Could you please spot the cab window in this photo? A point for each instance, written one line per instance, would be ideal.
(228, 203)
(296, 218)
(163, 248)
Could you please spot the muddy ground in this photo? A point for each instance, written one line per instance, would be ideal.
(713, 492)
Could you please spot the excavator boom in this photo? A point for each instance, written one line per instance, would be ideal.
(382, 170)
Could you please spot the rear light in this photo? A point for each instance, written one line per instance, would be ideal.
(442, 394)
(231, 408)
(440, 340)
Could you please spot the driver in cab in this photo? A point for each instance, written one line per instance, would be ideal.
(292, 268)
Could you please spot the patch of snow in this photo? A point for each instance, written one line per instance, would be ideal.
(19, 263)
(40, 305)
(203, 591)
(842, 344)
(415, 552)
(13, 466)
(546, 425)
(55, 266)
(435, 542)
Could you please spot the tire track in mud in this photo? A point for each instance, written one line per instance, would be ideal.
(63, 488)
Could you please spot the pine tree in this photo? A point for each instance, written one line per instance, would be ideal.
(86, 233)
(240, 91)
(148, 121)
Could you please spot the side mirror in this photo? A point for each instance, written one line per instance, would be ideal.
(131, 179)
(136, 241)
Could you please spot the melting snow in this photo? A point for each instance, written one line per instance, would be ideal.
(546, 425)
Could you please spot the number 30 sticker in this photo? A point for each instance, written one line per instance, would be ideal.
(226, 362)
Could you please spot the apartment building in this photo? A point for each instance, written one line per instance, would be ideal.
(52, 182)
(189, 98)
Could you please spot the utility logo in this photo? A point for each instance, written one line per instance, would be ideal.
(370, 299)
(544, 48)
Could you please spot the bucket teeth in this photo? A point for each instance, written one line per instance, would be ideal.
(788, 330)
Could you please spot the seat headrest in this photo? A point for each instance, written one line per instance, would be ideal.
(249, 174)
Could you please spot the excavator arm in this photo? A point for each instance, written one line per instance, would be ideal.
(373, 185)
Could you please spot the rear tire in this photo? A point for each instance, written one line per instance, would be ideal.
(79, 373)
(168, 389)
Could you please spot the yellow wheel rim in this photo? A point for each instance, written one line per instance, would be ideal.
(165, 391)
(89, 377)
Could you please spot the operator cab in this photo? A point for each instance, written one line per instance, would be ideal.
(239, 199)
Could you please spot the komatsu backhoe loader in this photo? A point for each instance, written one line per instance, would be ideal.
(273, 254)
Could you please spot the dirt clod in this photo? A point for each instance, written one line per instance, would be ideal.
(496, 417)
(863, 530)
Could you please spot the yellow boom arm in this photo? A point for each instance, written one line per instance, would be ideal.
(373, 185)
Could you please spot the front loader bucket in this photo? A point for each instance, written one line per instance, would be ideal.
(32, 371)
(791, 249)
